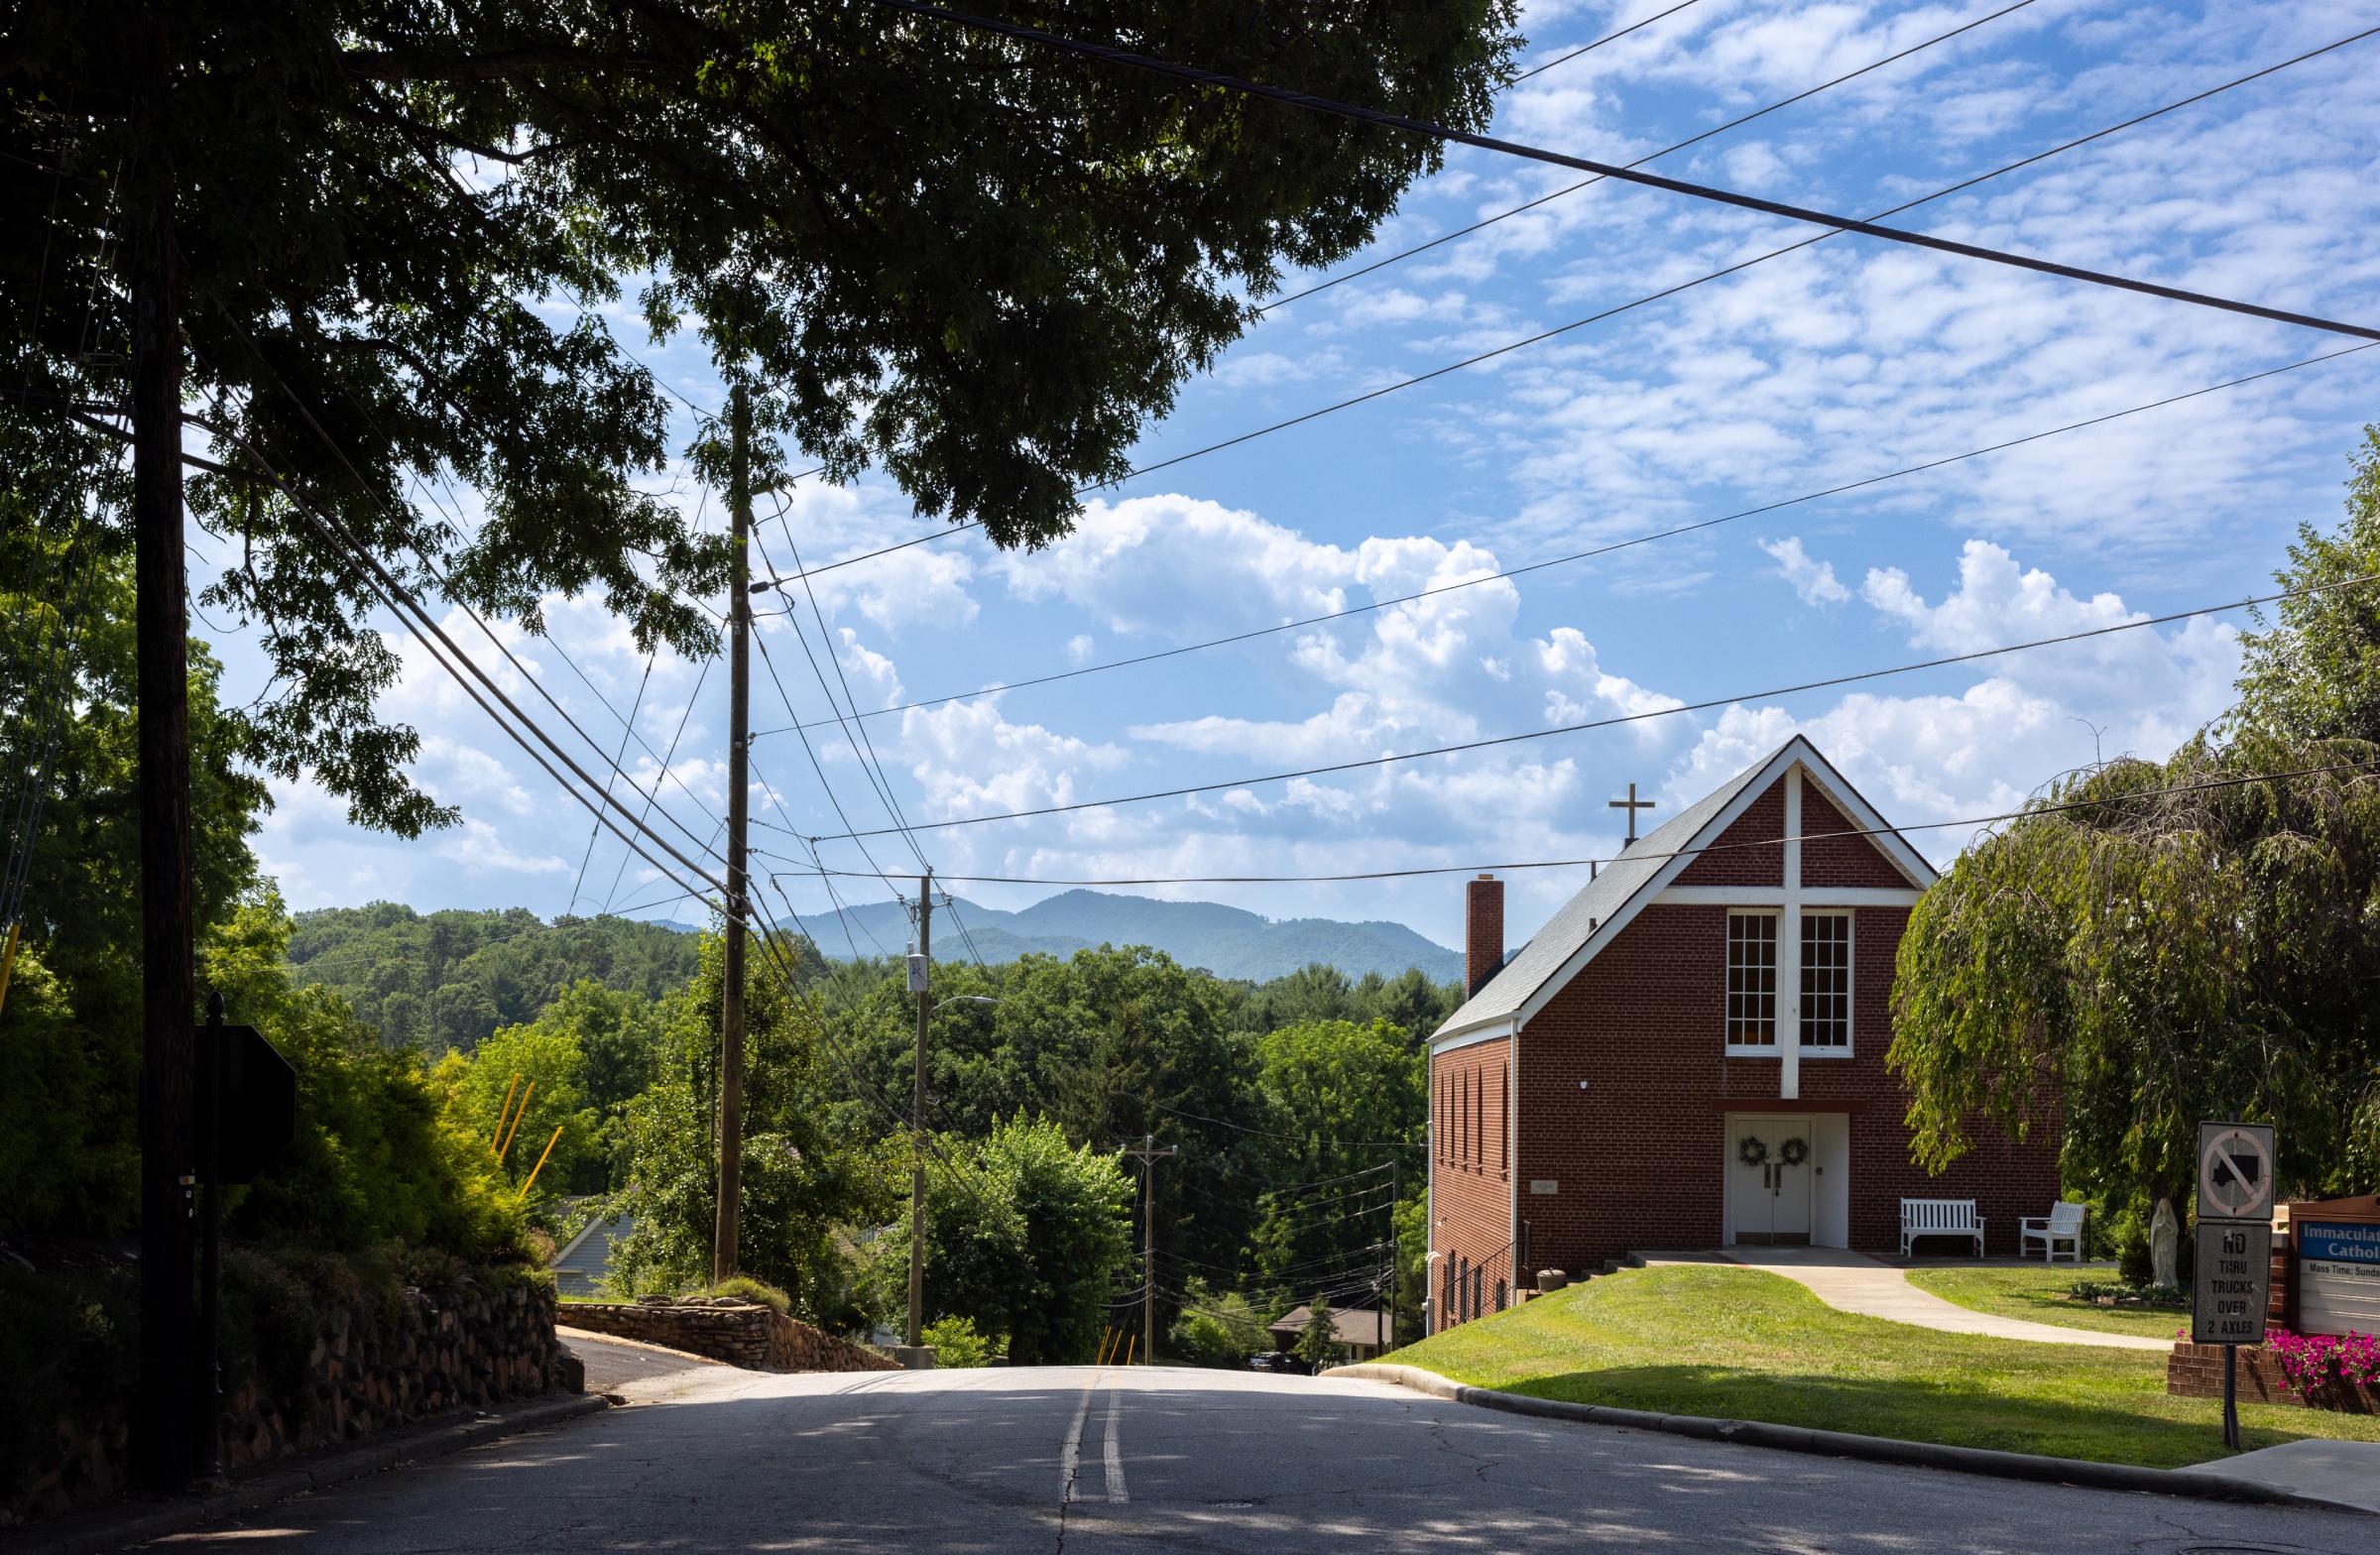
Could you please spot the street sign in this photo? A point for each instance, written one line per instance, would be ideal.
(258, 1106)
(2234, 1283)
(2235, 1171)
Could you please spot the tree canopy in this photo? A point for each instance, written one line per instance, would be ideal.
(402, 232)
(2160, 942)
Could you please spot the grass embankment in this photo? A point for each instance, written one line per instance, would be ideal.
(1739, 1344)
(2038, 1295)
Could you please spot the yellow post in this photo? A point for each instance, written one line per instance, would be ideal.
(506, 1115)
(507, 1147)
(8, 963)
(1129, 1344)
(540, 1165)
(1107, 1341)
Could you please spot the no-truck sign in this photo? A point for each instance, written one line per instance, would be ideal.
(2235, 1171)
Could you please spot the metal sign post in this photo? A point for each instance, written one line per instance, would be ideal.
(2230, 1285)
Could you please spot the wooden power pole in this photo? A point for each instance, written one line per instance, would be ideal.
(738, 893)
(921, 967)
(164, 1419)
(1148, 1156)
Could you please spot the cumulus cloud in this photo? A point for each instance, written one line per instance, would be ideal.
(1814, 580)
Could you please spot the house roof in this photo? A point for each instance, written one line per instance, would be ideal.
(1622, 888)
(1348, 1324)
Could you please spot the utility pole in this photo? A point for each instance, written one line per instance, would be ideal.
(1388, 1340)
(921, 967)
(1148, 1156)
(739, 894)
(168, 1118)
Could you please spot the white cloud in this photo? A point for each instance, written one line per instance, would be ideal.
(477, 846)
(1814, 580)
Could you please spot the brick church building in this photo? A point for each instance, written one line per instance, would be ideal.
(1691, 1053)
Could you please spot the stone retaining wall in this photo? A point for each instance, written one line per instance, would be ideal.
(2197, 1372)
(373, 1363)
(757, 1338)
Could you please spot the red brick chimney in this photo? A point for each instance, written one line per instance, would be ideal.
(1483, 932)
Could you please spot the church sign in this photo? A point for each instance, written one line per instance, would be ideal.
(2339, 1277)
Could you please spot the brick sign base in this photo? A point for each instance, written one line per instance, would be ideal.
(2197, 1372)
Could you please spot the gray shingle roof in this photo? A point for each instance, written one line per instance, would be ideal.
(1569, 930)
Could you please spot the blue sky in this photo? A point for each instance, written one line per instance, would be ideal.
(1847, 360)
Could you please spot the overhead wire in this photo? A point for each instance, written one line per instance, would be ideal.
(1735, 123)
(1668, 710)
(1595, 551)
(1865, 226)
(1637, 854)
(1601, 315)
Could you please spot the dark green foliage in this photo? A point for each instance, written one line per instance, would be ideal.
(1028, 1234)
(812, 1161)
(1318, 1341)
(375, 1160)
(1217, 1327)
(446, 980)
(67, 1343)
(978, 269)
(1409, 1002)
(2156, 958)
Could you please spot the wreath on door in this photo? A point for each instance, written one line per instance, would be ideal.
(1794, 1151)
(1752, 1150)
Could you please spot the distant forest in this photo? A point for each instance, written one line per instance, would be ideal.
(448, 980)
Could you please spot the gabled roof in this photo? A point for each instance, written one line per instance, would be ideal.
(1348, 1324)
(1622, 888)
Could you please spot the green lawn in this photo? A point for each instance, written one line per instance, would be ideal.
(2038, 1295)
(1741, 1344)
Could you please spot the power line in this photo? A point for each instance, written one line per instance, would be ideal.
(1636, 854)
(1296, 1139)
(1598, 550)
(1571, 189)
(1607, 38)
(1312, 103)
(1600, 316)
(1525, 736)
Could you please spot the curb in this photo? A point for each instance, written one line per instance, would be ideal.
(1844, 1444)
(103, 1531)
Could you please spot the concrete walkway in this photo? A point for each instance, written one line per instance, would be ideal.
(1855, 1282)
(2347, 1473)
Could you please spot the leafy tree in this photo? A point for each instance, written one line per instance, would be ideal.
(2155, 958)
(2314, 672)
(535, 1073)
(1338, 1095)
(1026, 1235)
(1217, 1327)
(1111, 1045)
(1318, 1341)
(810, 1164)
(70, 1027)
(956, 1342)
(979, 266)
(446, 980)
(374, 1160)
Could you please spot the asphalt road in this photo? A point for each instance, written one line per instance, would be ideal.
(1158, 1460)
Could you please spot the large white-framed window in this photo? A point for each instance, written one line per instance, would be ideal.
(1826, 984)
(1752, 982)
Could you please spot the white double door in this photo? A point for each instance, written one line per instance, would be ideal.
(1771, 1162)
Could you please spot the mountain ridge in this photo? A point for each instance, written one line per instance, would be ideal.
(1231, 942)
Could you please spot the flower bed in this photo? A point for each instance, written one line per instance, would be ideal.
(2315, 1371)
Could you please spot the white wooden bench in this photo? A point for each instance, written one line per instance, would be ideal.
(1940, 1218)
(2063, 1223)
